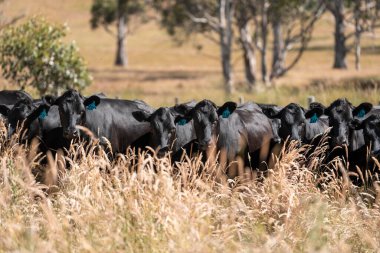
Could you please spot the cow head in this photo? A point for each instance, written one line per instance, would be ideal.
(205, 116)
(72, 108)
(371, 131)
(268, 110)
(341, 112)
(162, 125)
(292, 121)
(22, 112)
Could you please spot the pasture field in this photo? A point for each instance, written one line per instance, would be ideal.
(139, 203)
(160, 70)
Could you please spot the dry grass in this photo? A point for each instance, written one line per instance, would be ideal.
(144, 204)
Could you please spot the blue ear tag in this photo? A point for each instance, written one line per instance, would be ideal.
(43, 114)
(182, 122)
(361, 113)
(314, 118)
(226, 113)
(91, 106)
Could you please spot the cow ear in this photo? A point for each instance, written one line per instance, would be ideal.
(272, 113)
(226, 109)
(314, 114)
(356, 124)
(327, 111)
(40, 112)
(92, 102)
(361, 110)
(182, 120)
(141, 116)
(49, 99)
(182, 109)
(4, 110)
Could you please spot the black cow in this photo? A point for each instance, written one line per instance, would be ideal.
(10, 97)
(295, 124)
(276, 123)
(236, 130)
(316, 123)
(24, 113)
(362, 157)
(168, 133)
(340, 113)
(106, 118)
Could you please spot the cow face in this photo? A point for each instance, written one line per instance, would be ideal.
(205, 116)
(276, 125)
(162, 125)
(371, 131)
(269, 110)
(341, 113)
(72, 111)
(22, 112)
(292, 121)
(17, 114)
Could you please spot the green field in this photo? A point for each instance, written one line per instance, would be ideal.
(160, 70)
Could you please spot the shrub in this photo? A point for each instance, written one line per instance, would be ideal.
(33, 54)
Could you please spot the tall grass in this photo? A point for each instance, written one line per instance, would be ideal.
(139, 203)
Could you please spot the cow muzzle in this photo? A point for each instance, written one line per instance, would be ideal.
(162, 152)
(71, 133)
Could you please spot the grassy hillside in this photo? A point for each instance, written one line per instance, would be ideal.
(160, 70)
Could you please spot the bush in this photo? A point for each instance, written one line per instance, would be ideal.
(33, 54)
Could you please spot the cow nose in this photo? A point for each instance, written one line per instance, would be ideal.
(277, 140)
(341, 141)
(204, 145)
(161, 153)
(70, 133)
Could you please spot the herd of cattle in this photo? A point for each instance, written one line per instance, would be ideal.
(239, 130)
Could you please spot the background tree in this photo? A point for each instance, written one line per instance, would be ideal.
(362, 14)
(244, 15)
(260, 10)
(107, 12)
(292, 24)
(208, 18)
(365, 19)
(33, 54)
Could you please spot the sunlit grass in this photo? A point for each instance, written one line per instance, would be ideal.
(145, 204)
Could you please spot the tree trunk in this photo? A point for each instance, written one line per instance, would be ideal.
(278, 49)
(121, 56)
(264, 38)
(248, 56)
(226, 35)
(357, 35)
(340, 37)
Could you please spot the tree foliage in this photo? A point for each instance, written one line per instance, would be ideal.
(33, 54)
(106, 12)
